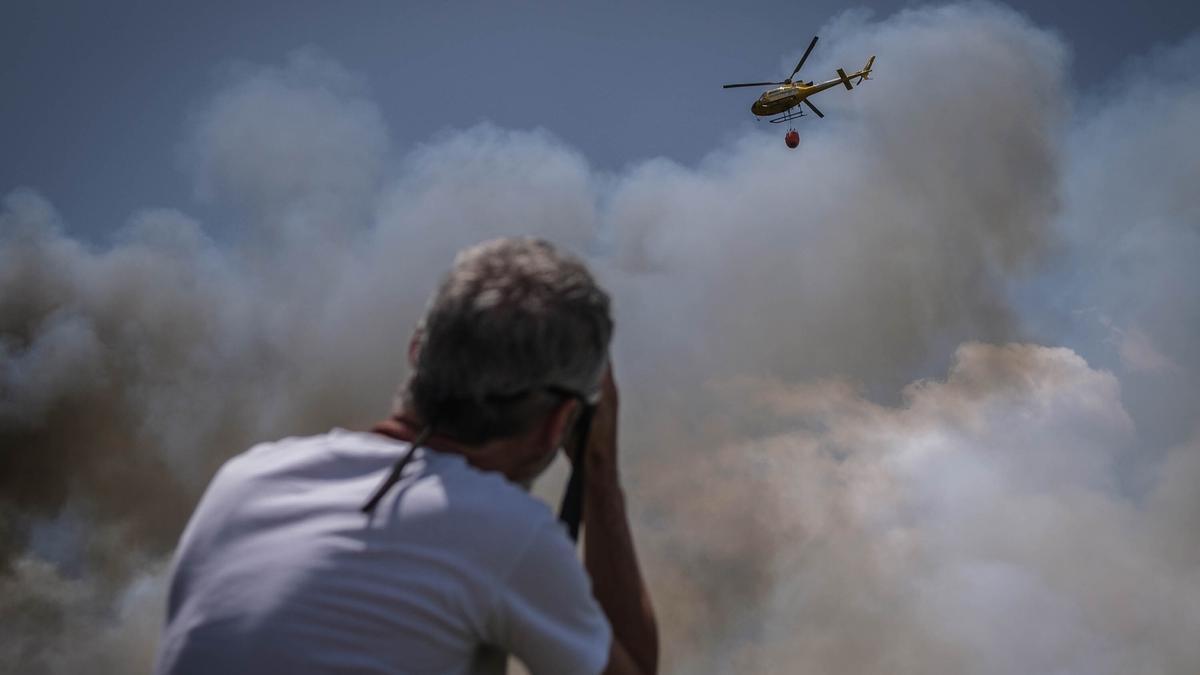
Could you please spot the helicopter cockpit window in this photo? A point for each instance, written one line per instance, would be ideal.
(776, 93)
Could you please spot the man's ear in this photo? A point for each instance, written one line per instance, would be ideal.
(414, 346)
(559, 422)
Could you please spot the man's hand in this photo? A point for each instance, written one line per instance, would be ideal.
(608, 546)
(601, 443)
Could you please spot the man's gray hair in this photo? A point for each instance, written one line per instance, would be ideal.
(513, 321)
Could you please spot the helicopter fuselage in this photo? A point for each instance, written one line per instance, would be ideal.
(781, 99)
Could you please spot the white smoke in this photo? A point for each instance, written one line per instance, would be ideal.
(300, 148)
(1131, 230)
(978, 527)
(1028, 513)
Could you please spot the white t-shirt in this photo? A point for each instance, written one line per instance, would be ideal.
(279, 572)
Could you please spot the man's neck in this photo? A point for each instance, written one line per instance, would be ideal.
(407, 428)
(489, 456)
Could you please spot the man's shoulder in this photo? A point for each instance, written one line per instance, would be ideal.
(335, 446)
(439, 491)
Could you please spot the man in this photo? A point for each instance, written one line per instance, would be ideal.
(415, 548)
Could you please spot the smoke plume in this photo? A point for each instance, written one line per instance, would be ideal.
(920, 396)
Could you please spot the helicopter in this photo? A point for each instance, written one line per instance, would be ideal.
(783, 100)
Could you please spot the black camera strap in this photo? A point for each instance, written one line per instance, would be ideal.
(570, 511)
(397, 470)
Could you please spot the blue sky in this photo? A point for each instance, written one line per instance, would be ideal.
(97, 96)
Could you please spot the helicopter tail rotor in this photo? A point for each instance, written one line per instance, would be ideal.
(865, 73)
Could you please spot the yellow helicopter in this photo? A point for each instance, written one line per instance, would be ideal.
(784, 99)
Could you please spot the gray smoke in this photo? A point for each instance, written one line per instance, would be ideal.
(848, 449)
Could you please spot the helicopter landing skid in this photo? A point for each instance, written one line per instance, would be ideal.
(791, 114)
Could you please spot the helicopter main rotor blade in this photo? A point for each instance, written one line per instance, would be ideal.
(750, 84)
(813, 108)
(803, 58)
